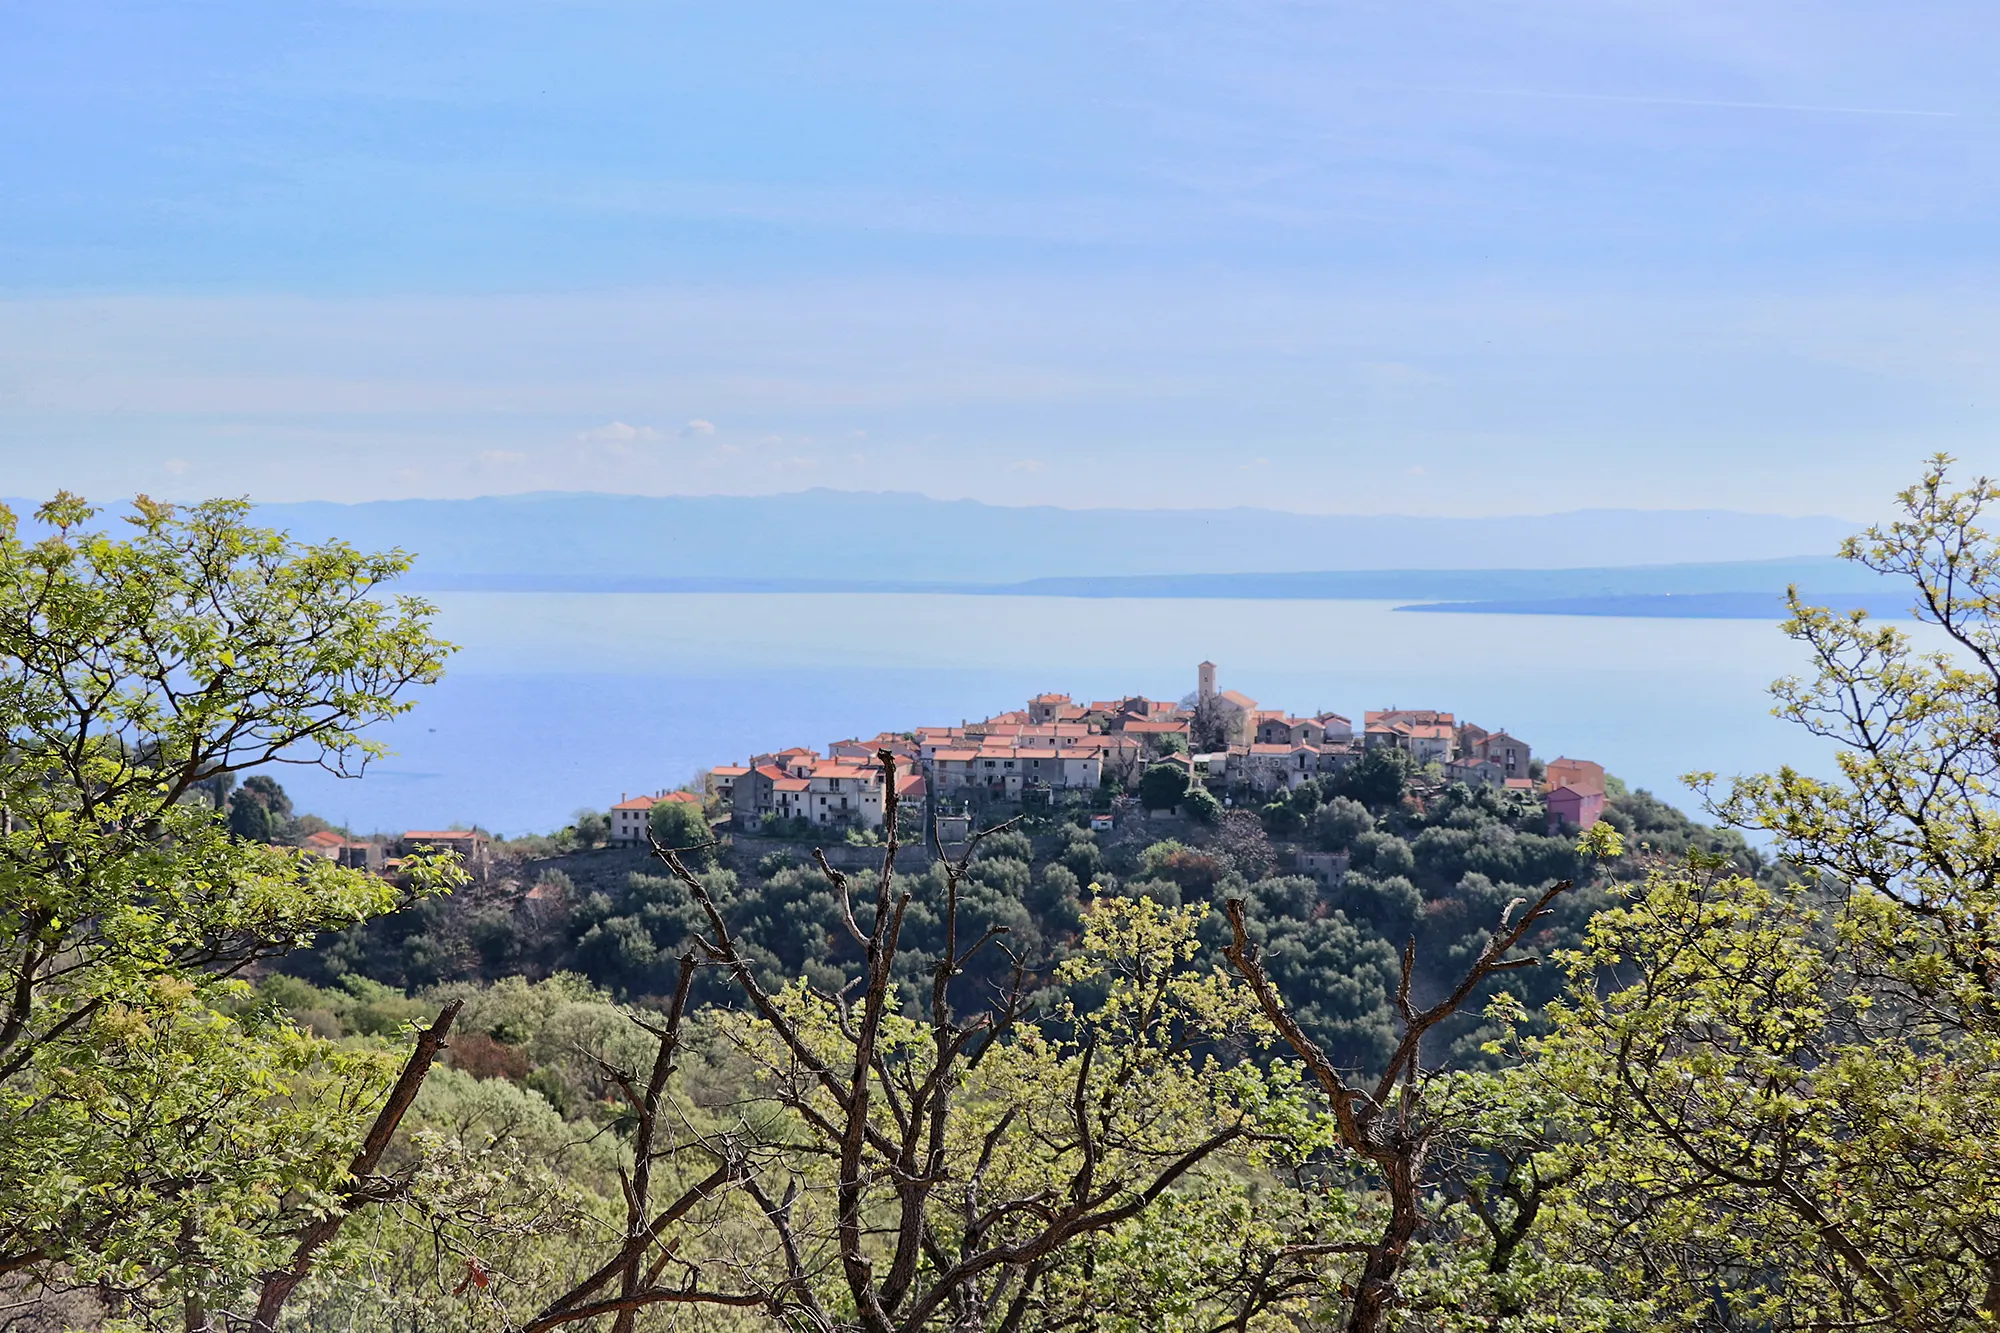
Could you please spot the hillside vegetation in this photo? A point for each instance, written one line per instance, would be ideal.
(1469, 1076)
(1440, 872)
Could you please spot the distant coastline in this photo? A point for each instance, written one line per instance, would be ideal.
(1677, 606)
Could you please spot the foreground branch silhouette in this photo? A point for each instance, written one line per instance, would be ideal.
(936, 1214)
(1387, 1125)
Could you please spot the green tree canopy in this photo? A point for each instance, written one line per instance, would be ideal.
(160, 1134)
(1797, 1087)
(1163, 786)
(680, 824)
(1378, 778)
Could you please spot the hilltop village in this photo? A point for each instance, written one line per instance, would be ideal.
(1056, 752)
(1222, 749)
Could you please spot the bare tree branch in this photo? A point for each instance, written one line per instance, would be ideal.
(367, 1188)
(1398, 1145)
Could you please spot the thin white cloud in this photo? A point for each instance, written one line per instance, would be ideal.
(697, 427)
(1499, 386)
(1642, 100)
(617, 432)
(1027, 465)
(177, 466)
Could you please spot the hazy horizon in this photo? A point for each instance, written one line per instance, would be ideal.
(894, 493)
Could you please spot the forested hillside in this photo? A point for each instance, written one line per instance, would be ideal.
(1440, 870)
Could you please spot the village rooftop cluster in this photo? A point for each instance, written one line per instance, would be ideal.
(1059, 752)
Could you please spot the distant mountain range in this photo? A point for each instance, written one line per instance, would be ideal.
(885, 537)
(1678, 589)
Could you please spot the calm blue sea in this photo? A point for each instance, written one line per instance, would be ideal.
(561, 701)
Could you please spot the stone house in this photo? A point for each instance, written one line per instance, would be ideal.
(1426, 741)
(1044, 708)
(1270, 768)
(754, 797)
(470, 844)
(1507, 752)
(1326, 869)
(1475, 772)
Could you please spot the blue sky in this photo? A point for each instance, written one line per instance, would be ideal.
(1422, 258)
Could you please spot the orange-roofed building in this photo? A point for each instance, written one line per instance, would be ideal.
(953, 767)
(325, 843)
(1336, 724)
(628, 820)
(1581, 774)
(840, 795)
(1044, 707)
(1428, 717)
(722, 781)
(796, 762)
